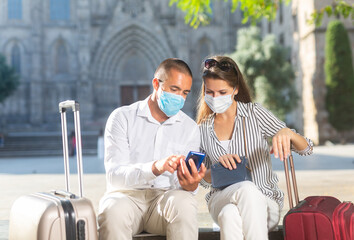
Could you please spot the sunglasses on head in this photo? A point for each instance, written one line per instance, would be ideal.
(223, 66)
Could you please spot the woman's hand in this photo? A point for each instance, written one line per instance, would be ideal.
(281, 143)
(228, 160)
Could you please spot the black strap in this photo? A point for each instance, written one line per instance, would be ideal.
(70, 222)
(69, 215)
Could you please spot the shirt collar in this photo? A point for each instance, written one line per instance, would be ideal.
(144, 111)
(241, 109)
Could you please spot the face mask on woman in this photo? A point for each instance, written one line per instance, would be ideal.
(169, 103)
(219, 104)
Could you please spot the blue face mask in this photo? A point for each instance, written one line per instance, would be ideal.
(170, 103)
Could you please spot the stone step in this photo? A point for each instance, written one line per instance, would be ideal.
(38, 153)
(43, 144)
(23, 144)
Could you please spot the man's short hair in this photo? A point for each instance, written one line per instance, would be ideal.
(163, 70)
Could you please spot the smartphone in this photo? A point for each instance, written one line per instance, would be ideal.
(197, 158)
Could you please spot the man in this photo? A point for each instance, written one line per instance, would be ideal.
(149, 187)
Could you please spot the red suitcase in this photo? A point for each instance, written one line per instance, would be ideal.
(316, 217)
(343, 221)
(56, 215)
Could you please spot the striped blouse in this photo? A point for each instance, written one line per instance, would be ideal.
(260, 125)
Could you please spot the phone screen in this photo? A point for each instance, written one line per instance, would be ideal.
(197, 158)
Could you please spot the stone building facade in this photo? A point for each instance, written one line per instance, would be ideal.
(102, 53)
(307, 47)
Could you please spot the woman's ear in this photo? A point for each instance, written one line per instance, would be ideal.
(236, 91)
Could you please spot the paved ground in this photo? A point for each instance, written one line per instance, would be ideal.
(330, 171)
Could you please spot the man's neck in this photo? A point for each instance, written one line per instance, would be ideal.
(155, 110)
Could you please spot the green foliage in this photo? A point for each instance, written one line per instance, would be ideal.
(338, 8)
(8, 80)
(339, 77)
(198, 11)
(265, 67)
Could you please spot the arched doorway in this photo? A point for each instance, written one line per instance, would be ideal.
(124, 67)
(135, 83)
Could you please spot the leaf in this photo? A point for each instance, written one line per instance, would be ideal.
(328, 10)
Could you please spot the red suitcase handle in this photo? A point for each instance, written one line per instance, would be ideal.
(288, 183)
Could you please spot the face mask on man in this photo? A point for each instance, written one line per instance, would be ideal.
(219, 104)
(169, 103)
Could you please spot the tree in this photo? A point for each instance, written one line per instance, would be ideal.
(198, 11)
(9, 80)
(265, 66)
(339, 77)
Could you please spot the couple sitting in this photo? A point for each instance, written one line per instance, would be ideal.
(149, 187)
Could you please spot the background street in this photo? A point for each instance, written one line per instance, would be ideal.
(329, 171)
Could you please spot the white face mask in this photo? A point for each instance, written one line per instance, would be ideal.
(219, 104)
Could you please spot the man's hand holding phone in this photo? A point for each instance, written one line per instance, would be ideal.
(189, 179)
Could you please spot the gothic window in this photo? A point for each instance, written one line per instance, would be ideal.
(211, 15)
(281, 13)
(61, 59)
(60, 9)
(281, 39)
(14, 9)
(16, 58)
(269, 27)
(295, 22)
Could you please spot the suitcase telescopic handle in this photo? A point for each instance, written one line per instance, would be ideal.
(63, 106)
(74, 105)
(288, 182)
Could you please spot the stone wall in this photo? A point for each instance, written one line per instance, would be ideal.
(113, 45)
(106, 45)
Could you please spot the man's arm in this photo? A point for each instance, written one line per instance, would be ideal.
(119, 170)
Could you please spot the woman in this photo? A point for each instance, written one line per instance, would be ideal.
(232, 126)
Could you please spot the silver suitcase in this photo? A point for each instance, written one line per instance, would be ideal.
(57, 214)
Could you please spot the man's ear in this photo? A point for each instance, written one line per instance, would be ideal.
(155, 84)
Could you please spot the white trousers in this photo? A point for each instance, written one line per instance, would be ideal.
(243, 212)
(124, 214)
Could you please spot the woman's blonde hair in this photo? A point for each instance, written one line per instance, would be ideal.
(234, 79)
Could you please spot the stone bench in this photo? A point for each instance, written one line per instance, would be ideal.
(204, 234)
(208, 234)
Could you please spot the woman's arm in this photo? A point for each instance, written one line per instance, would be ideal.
(284, 139)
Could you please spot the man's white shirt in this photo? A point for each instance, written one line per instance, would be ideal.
(134, 140)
